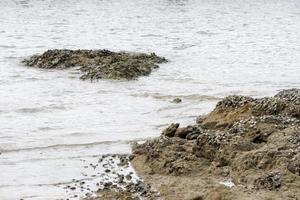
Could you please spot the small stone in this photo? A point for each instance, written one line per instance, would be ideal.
(108, 184)
(128, 177)
(121, 178)
(131, 157)
(177, 100)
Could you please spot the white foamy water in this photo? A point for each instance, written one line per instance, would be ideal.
(50, 120)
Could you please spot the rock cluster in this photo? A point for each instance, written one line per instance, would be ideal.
(131, 191)
(98, 64)
(109, 177)
(190, 132)
(234, 108)
(255, 142)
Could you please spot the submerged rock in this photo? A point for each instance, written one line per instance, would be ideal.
(177, 100)
(98, 64)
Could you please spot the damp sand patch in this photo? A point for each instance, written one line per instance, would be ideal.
(98, 64)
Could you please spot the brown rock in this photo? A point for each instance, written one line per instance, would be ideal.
(170, 130)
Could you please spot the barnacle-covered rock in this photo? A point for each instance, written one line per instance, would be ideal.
(269, 181)
(255, 142)
(208, 144)
(235, 108)
(234, 101)
(165, 155)
(290, 95)
(98, 64)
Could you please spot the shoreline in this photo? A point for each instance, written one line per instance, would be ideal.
(245, 148)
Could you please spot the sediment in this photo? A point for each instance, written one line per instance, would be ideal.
(98, 64)
(246, 148)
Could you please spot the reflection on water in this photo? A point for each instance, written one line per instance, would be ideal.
(49, 119)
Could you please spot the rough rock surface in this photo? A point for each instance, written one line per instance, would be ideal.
(98, 64)
(234, 108)
(252, 144)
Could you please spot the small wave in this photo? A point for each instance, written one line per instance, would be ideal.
(34, 79)
(8, 46)
(57, 146)
(47, 128)
(151, 35)
(29, 110)
(39, 185)
(41, 109)
(184, 46)
(206, 33)
(159, 96)
(15, 76)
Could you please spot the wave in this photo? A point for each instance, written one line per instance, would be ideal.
(160, 96)
(57, 146)
(41, 109)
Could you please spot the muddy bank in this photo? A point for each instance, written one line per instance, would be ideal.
(98, 64)
(245, 148)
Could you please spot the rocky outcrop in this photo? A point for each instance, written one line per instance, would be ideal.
(255, 143)
(98, 64)
(234, 108)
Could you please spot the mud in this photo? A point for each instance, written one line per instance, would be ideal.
(98, 64)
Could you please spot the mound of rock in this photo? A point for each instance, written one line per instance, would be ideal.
(234, 108)
(255, 143)
(98, 64)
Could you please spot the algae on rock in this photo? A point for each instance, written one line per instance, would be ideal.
(98, 64)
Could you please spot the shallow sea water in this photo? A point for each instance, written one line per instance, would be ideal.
(50, 120)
